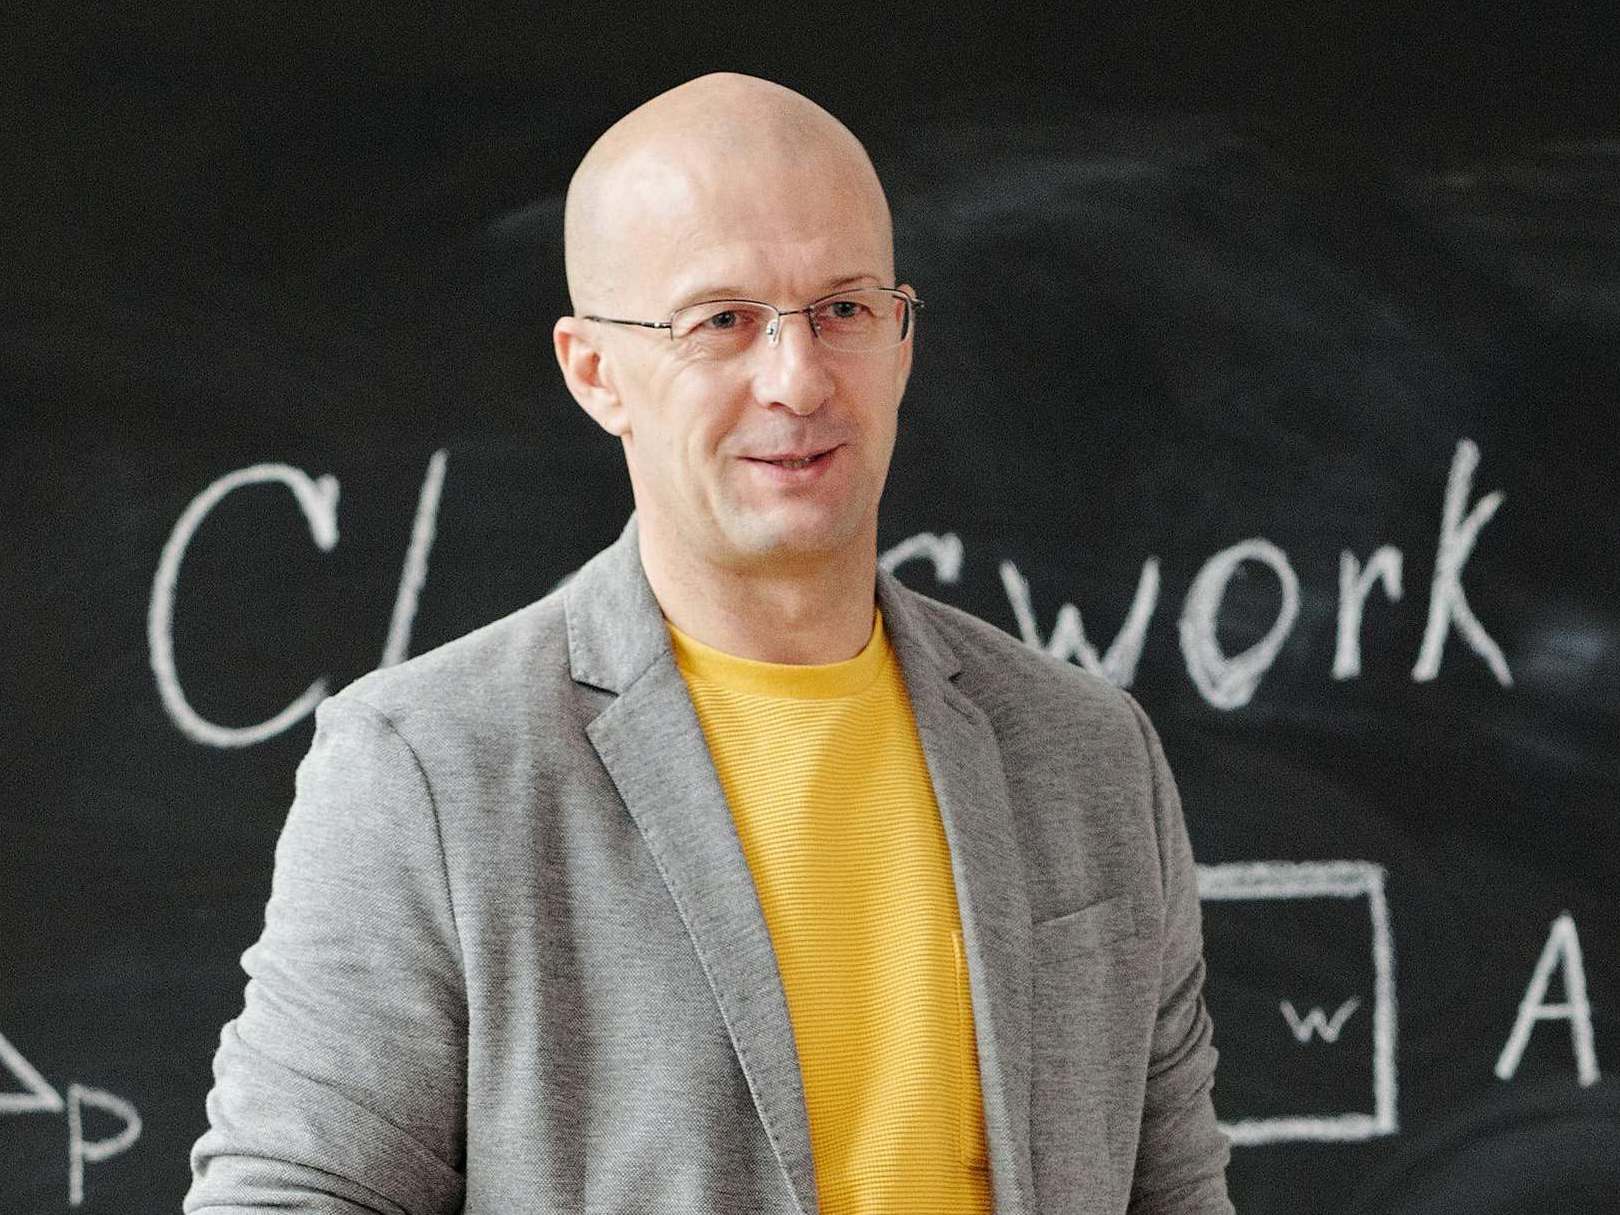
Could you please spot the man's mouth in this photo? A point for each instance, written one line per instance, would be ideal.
(791, 461)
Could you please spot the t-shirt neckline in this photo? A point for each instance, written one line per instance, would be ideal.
(798, 681)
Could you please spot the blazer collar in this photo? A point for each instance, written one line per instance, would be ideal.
(616, 629)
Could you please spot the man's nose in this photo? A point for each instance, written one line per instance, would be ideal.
(793, 372)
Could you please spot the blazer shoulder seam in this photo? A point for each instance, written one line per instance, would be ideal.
(388, 723)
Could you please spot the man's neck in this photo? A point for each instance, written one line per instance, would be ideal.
(811, 613)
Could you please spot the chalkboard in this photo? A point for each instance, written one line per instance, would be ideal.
(1306, 436)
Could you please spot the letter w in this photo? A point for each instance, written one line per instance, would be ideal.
(1068, 639)
(1317, 1022)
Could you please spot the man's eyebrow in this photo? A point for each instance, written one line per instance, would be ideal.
(731, 292)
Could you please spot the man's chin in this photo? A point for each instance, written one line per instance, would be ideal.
(790, 536)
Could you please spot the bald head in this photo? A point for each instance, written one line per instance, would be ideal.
(717, 136)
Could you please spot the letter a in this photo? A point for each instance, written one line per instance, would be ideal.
(1562, 943)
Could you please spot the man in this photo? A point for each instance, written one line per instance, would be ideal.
(733, 876)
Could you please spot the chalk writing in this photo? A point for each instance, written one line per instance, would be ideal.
(1354, 586)
(41, 1097)
(1331, 880)
(1563, 946)
(1229, 682)
(414, 574)
(1225, 681)
(944, 553)
(317, 498)
(82, 1151)
(1068, 639)
(1447, 603)
(1317, 1023)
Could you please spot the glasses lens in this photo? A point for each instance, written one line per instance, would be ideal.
(719, 327)
(869, 318)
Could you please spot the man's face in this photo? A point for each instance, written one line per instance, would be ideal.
(698, 431)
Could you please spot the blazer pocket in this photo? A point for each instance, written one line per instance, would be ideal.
(970, 1139)
(1079, 932)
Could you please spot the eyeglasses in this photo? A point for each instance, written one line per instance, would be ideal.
(858, 321)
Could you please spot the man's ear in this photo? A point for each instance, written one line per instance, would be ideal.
(587, 374)
(908, 348)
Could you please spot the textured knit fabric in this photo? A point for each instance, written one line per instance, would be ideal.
(513, 960)
(827, 783)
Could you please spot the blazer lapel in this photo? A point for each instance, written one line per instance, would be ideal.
(964, 762)
(652, 745)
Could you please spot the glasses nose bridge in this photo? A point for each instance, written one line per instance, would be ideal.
(773, 331)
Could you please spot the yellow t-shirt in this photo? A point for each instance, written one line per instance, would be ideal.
(824, 773)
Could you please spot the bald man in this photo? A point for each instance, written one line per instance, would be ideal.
(733, 876)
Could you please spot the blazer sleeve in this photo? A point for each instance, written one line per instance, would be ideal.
(341, 1087)
(1182, 1154)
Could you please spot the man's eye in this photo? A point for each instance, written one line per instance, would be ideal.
(722, 320)
(846, 310)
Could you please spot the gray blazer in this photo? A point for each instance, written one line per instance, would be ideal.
(513, 962)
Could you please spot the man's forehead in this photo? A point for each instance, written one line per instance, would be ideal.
(717, 181)
(779, 242)
(692, 286)
(677, 225)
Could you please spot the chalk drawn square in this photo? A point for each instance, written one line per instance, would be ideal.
(1302, 988)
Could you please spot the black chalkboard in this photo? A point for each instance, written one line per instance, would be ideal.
(1265, 370)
